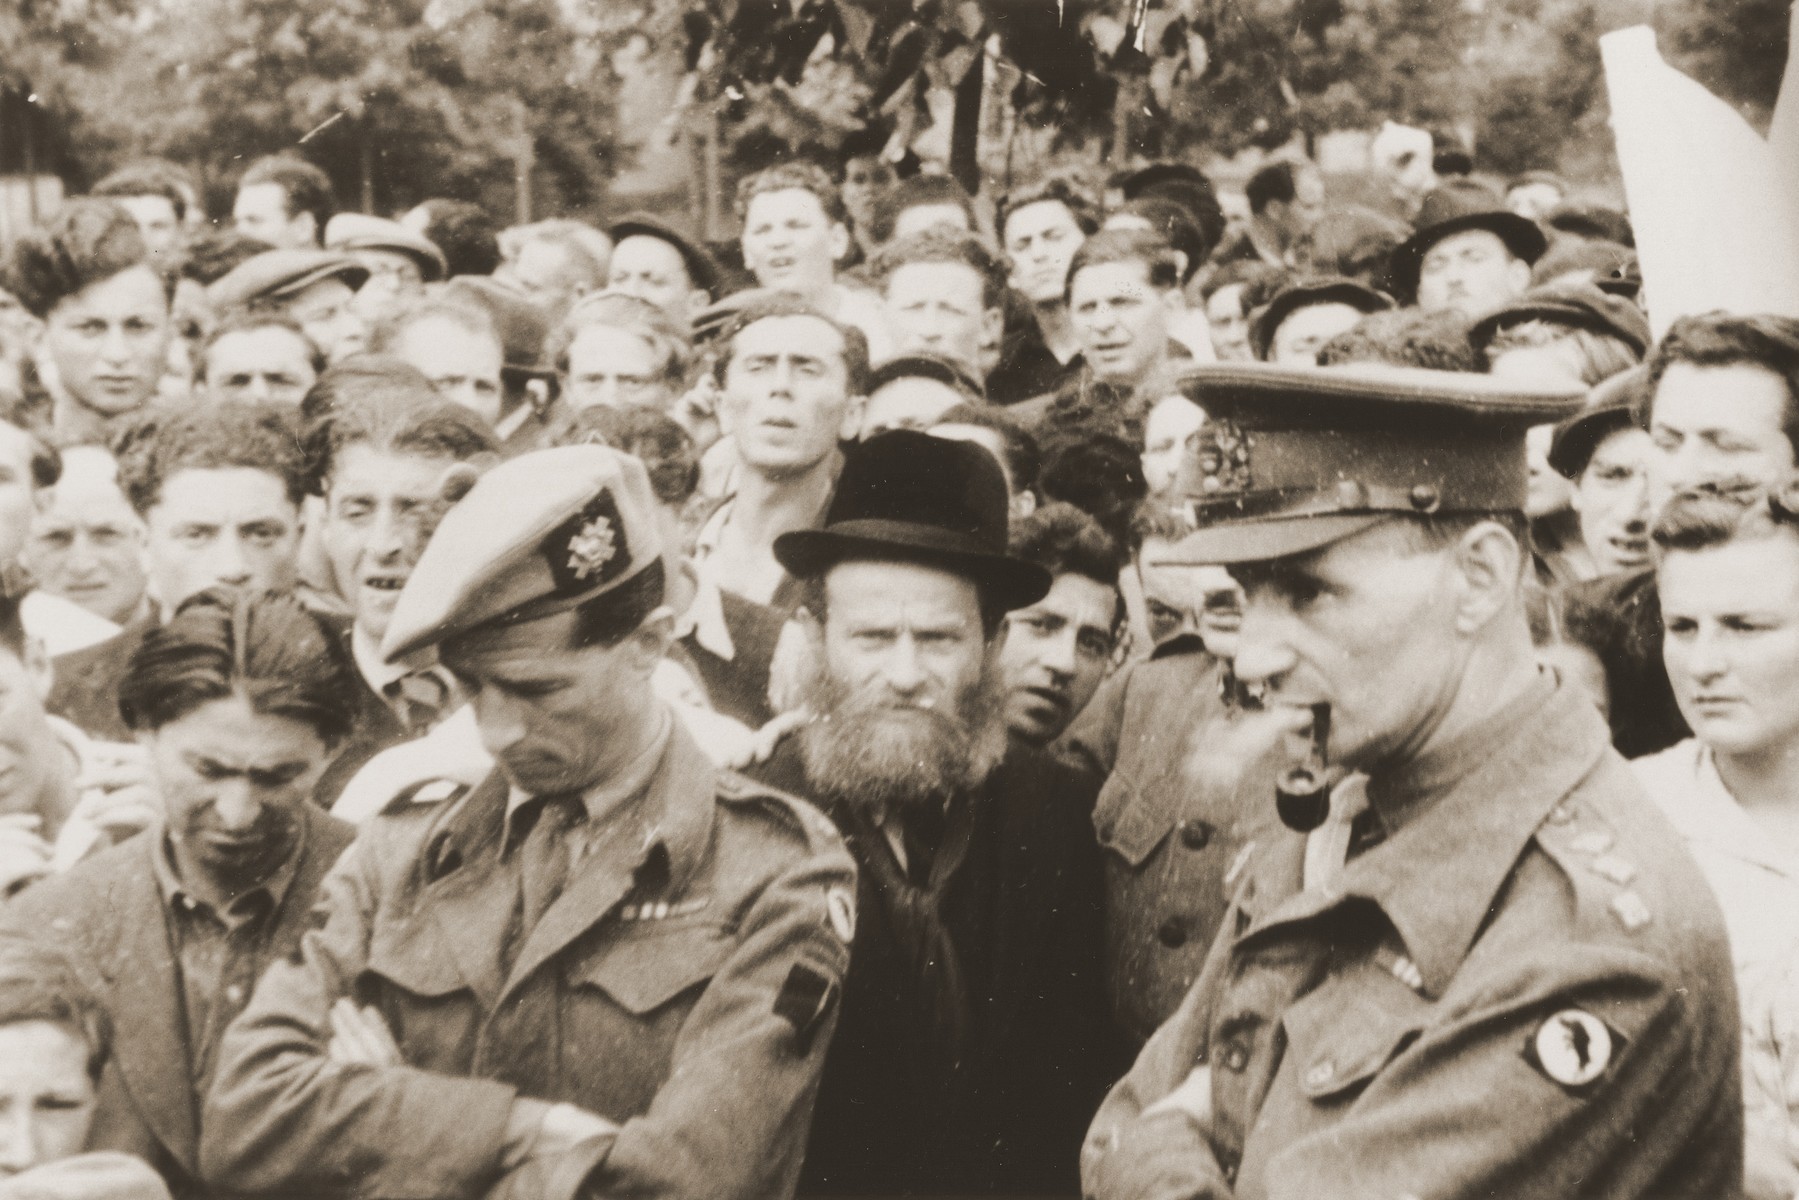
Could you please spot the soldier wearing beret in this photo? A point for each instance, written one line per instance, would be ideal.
(606, 970)
(1490, 968)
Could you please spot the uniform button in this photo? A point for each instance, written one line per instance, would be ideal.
(1173, 933)
(1196, 835)
(1236, 1057)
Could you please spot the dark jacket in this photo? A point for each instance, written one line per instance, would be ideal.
(1619, 618)
(85, 684)
(738, 686)
(107, 916)
(1023, 913)
(1171, 840)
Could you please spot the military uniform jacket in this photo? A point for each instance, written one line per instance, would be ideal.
(1523, 991)
(106, 915)
(688, 997)
(1170, 842)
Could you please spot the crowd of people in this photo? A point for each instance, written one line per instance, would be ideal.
(1103, 689)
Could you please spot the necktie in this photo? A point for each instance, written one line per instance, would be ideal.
(544, 858)
(418, 699)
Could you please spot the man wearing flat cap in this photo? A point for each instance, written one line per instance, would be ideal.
(1488, 969)
(974, 1035)
(606, 970)
(317, 288)
(656, 261)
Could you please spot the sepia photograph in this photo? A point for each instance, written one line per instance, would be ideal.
(753, 599)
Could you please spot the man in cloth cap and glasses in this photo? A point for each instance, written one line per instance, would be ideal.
(974, 1037)
(608, 969)
(1490, 969)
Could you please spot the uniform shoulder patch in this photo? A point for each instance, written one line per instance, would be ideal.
(426, 791)
(1572, 1048)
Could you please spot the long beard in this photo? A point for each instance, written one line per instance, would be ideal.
(882, 758)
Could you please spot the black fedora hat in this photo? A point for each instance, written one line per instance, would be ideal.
(910, 496)
(1456, 207)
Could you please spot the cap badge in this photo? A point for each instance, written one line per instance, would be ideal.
(589, 549)
(1223, 451)
(592, 547)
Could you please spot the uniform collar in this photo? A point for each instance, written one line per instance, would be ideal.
(264, 898)
(1460, 816)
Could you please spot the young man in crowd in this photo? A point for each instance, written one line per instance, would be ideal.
(453, 343)
(654, 260)
(149, 192)
(922, 202)
(238, 699)
(795, 231)
(285, 202)
(1007, 439)
(943, 293)
(1286, 198)
(218, 489)
(258, 357)
(793, 385)
(382, 459)
(1056, 652)
(399, 262)
(973, 1030)
(1041, 228)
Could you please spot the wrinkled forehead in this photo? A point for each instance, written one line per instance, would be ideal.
(861, 591)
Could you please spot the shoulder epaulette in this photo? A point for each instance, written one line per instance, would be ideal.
(426, 791)
(738, 789)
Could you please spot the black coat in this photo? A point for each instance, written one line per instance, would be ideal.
(1024, 914)
(1619, 618)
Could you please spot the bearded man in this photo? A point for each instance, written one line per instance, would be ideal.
(973, 1031)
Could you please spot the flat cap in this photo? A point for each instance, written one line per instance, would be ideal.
(940, 368)
(702, 268)
(359, 231)
(278, 274)
(1578, 305)
(523, 326)
(537, 535)
(1303, 293)
(1295, 458)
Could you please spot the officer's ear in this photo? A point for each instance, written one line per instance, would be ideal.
(1489, 560)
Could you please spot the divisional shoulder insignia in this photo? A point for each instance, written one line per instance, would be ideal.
(1572, 1047)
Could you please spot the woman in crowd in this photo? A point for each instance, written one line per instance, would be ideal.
(105, 311)
(1729, 582)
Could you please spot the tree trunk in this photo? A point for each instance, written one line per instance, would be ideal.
(524, 159)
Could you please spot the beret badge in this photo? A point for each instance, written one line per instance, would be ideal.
(1223, 453)
(588, 550)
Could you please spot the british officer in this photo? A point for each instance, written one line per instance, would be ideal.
(1492, 970)
(606, 970)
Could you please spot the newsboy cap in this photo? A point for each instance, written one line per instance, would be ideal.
(279, 274)
(359, 231)
(538, 535)
(1295, 458)
(907, 495)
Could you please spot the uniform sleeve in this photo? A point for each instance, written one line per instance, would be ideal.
(1526, 1088)
(732, 1119)
(282, 1116)
(1165, 1156)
